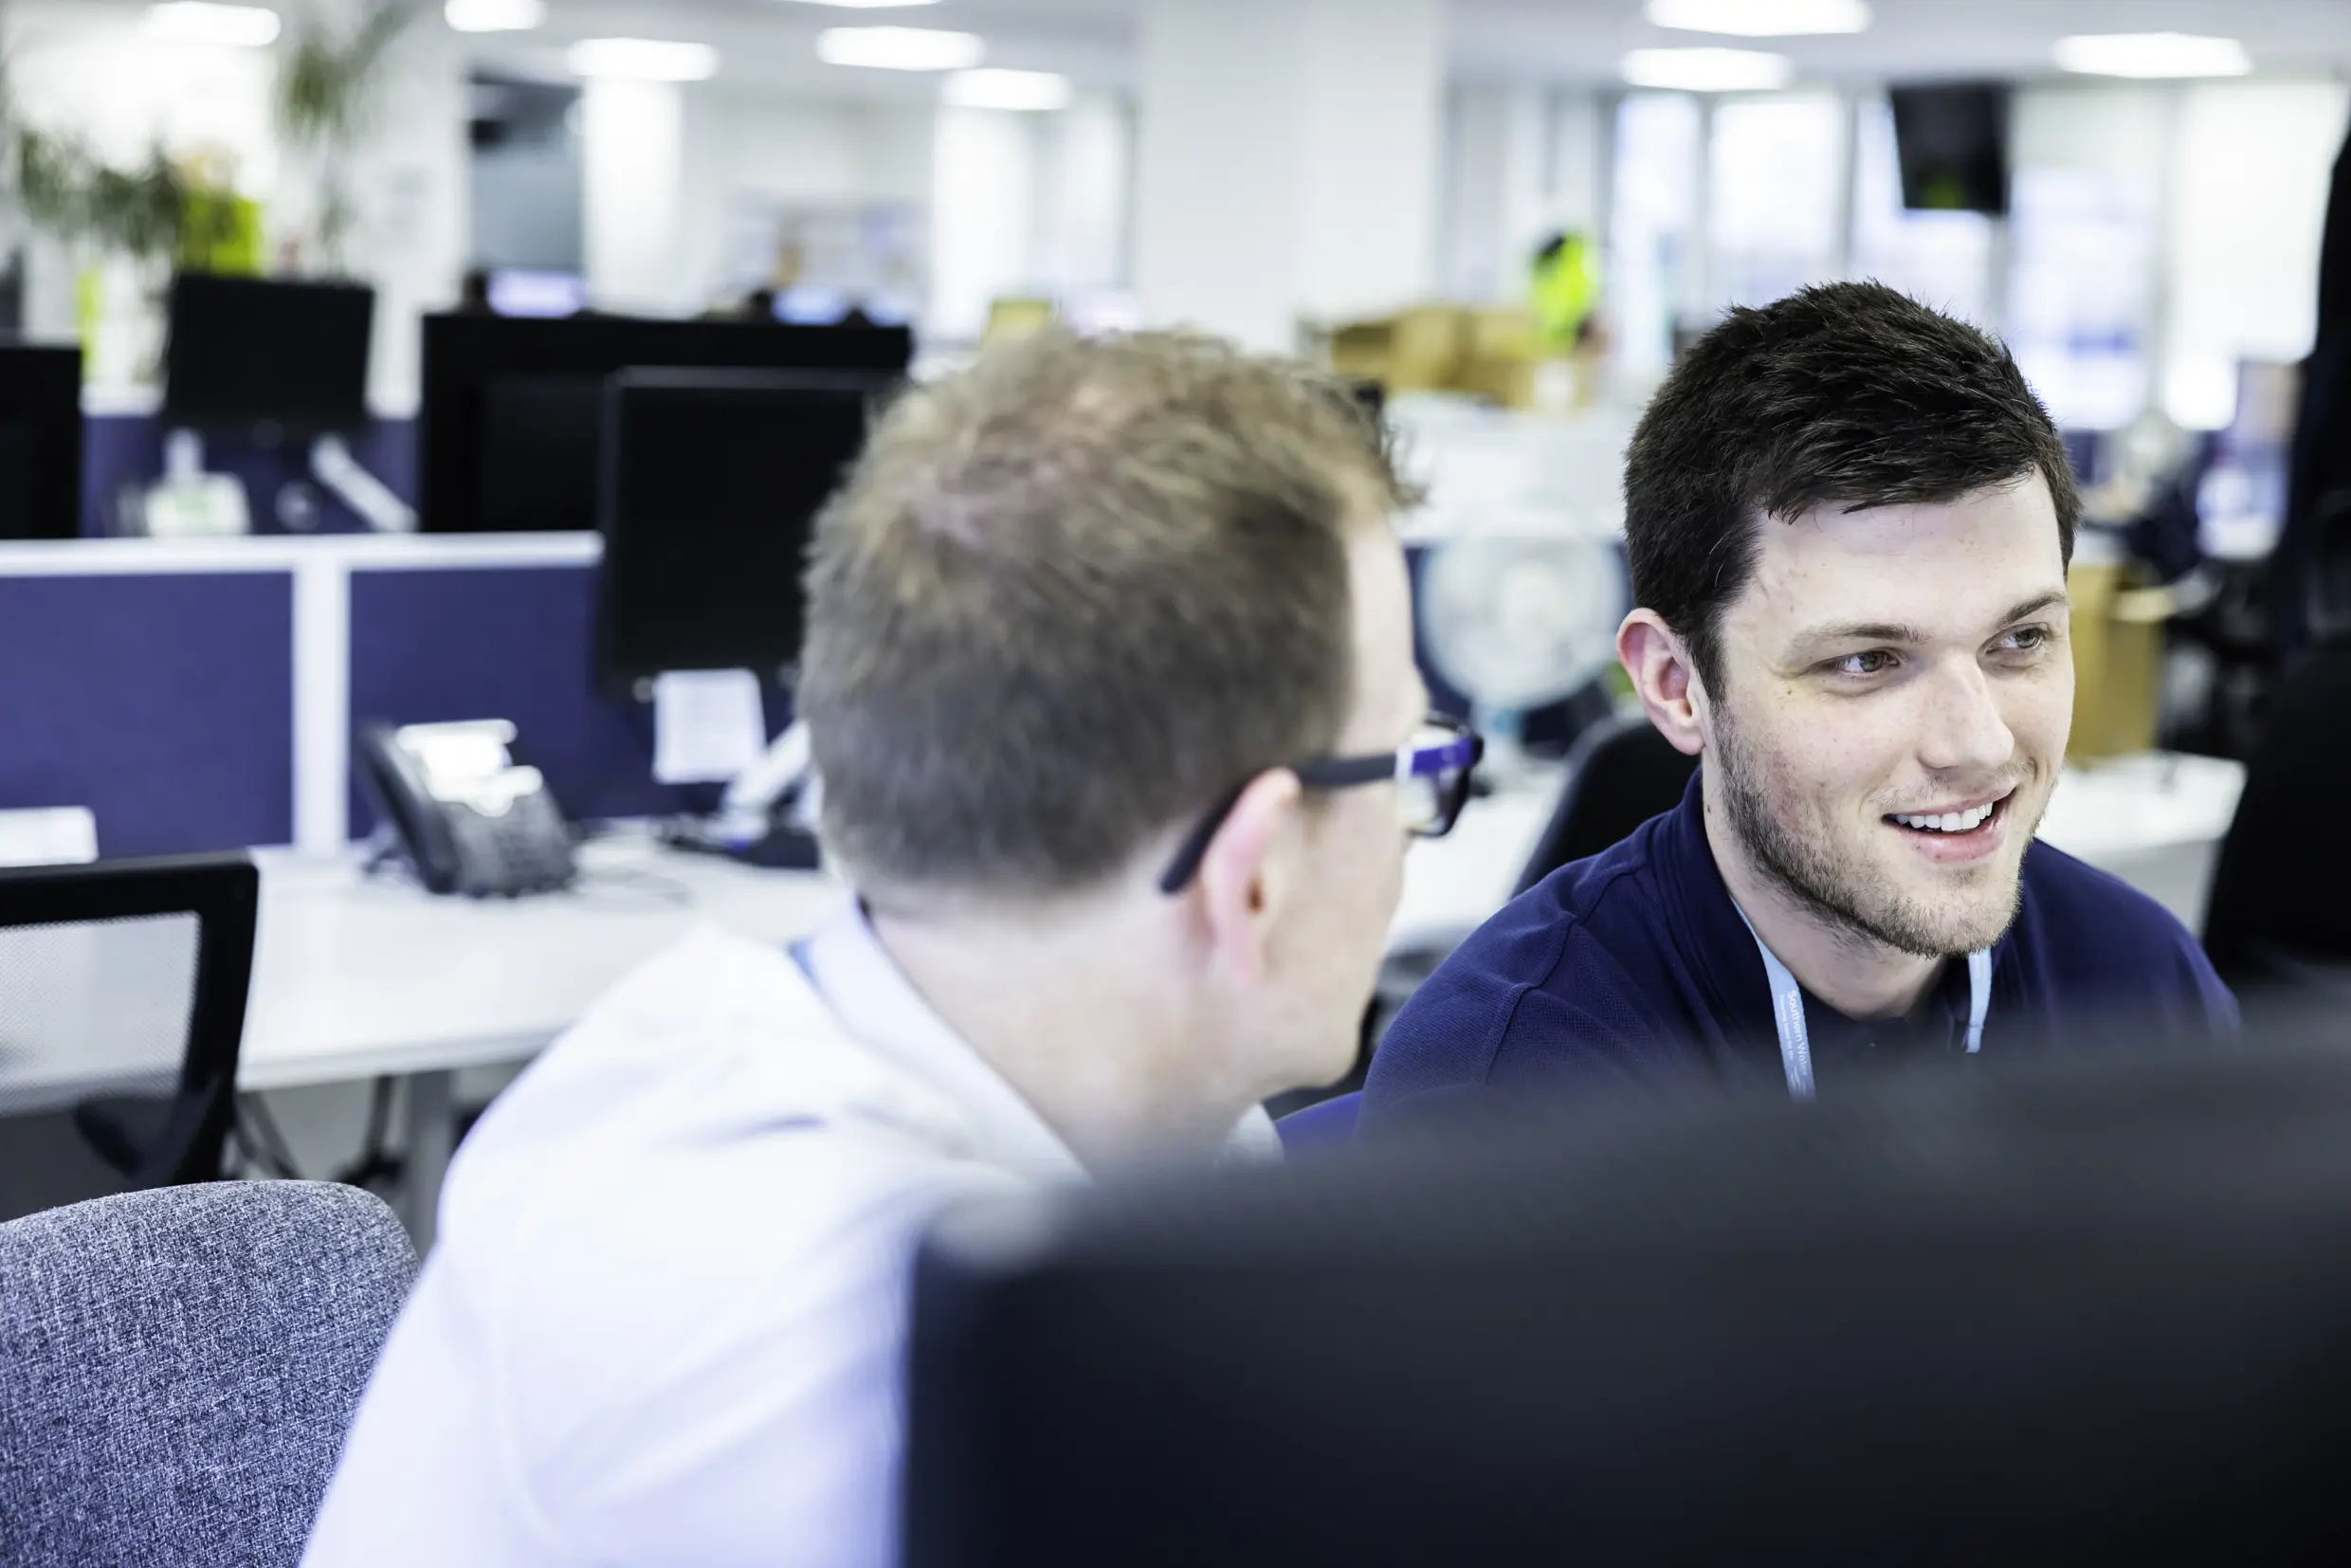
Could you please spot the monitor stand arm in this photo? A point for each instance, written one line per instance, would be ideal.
(331, 466)
(768, 811)
(781, 772)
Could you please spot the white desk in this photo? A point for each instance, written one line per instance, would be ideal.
(357, 978)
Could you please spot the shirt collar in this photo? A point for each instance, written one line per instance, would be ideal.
(875, 1002)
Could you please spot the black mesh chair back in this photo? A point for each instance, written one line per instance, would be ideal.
(123, 995)
(1620, 773)
(2277, 911)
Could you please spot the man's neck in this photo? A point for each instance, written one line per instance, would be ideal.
(1857, 974)
(1072, 1010)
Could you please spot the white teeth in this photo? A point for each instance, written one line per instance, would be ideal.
(1950, 822)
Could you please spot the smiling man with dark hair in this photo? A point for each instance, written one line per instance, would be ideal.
(1848, 523)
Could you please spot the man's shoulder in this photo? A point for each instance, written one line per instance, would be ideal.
(2095, 914)
(691, 1216)
(1566, 960)
(2097, 937)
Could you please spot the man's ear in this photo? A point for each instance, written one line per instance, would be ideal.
(1664, 679)
(1249, 872)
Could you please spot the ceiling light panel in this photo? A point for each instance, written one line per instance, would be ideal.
(1708, 70)
(2152, 55)
(1036, 91)
(900, 49)
(645, 59)
(494, 15)
(200, 22)
(1760, 18)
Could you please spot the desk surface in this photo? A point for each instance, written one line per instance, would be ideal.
(358, 977)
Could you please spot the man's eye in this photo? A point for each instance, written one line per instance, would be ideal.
(2028, 639)
(1876, 662)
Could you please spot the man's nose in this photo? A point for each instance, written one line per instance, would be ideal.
(1964, 730)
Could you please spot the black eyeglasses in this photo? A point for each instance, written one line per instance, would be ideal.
(1431, 776)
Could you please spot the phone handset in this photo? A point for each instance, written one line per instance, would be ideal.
(469, 818)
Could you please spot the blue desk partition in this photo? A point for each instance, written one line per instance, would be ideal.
(163, 702)
(509, 642)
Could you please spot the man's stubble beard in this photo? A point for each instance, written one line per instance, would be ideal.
(1845, 893)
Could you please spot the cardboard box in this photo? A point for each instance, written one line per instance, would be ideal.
(1416, 350)
(2118, 659)
(1444, 348)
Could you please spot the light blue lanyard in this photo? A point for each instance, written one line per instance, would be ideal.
(1796, 1040)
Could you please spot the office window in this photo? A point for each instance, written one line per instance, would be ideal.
(1775, 170)
(1653, 222)
(2248, 204)
(2080, 292)
(1944, 259)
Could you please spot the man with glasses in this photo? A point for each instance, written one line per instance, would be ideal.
(1109, 678)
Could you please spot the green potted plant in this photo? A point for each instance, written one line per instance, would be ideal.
(327, 86)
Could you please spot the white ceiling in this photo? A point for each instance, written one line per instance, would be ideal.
(772, 42)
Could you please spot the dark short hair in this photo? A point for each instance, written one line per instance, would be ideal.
(1076, 594)
(1847, 394)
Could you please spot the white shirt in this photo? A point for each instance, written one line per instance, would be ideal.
(664, 1320)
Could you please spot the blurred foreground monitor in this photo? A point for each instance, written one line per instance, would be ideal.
(2091, 1311)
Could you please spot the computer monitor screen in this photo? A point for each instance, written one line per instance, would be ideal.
(510, 433)
(540, 436)
(1953, 144)
(2091, 1315)
(254, 351)
(40, 441)
(712, 482)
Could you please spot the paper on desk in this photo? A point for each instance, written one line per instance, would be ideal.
(708, 725)
(54, 836)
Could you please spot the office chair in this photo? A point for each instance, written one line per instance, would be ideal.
(1620, 773)
(133, 970)
(178, 1369)
(2278, 918)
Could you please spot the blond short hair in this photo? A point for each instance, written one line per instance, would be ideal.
(1074, 594)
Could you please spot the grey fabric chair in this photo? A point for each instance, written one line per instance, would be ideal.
(178, 1367)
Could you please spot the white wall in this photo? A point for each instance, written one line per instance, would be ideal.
(2247, 210)
(1496, 201)
(1374, 139)
(1086, 170)
(984, 216)
(633, 163)
(409, 181)
(1287, 161)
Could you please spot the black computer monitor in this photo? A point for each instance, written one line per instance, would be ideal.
(251, 350)
(510, 432)
(40, 441)
(1952, 141)
(711, 482)
(2095, 1314)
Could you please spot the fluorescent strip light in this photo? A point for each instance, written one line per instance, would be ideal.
(900, 49)
(1760, 18)
(993, 89)
(494, 15)
(868, 4)
(2152, 54)
(645, 59)
(1708, 70)
(201, 22)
